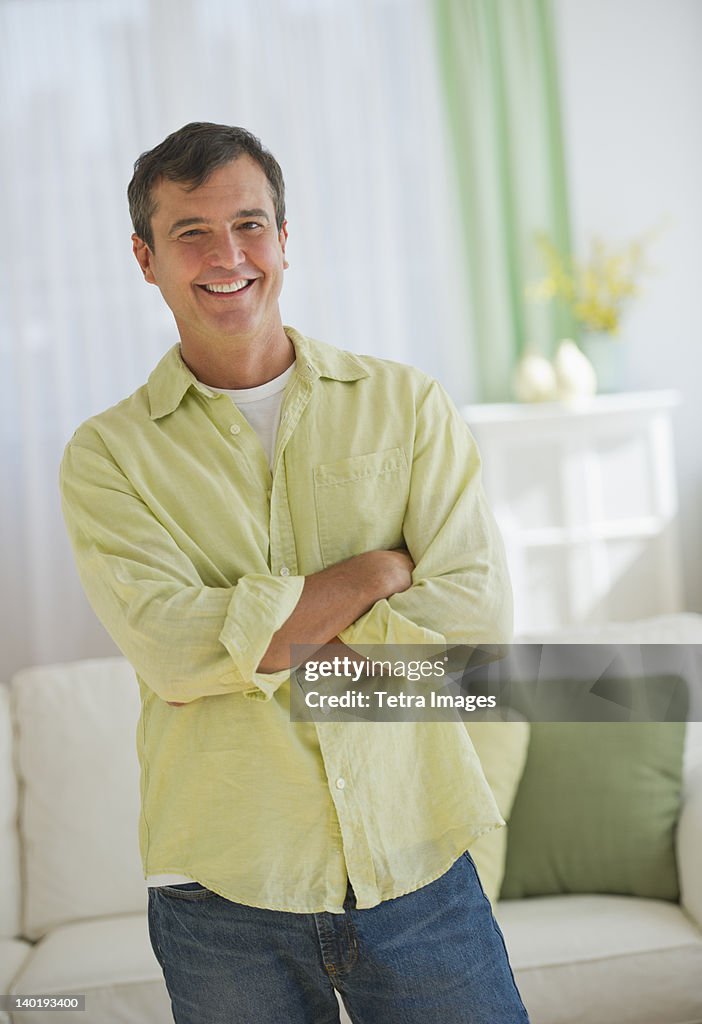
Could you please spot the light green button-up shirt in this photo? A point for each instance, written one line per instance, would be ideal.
(193, 553)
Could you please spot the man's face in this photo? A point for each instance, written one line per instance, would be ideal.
(217, 256)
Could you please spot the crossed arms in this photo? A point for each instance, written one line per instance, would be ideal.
(334, 598)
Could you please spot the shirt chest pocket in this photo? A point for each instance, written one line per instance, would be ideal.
(360, 503)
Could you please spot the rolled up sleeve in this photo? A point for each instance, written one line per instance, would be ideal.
(185, 640)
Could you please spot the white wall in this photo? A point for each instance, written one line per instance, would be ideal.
(631, 78)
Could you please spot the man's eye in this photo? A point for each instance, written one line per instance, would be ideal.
(250, 224)
(191, 233)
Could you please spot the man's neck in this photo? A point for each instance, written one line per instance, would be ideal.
(238, 363)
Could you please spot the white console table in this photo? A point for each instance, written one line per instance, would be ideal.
(586, 499)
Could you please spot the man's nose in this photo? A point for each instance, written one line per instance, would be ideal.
(225, 251)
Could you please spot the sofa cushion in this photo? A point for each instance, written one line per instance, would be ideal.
(502, 749)
(689, 845)
(111, 962)
(9, 846)
(80, 799)
(692, 755)
(13, 954)
(610, 959)
(596, 810)
(678, 628)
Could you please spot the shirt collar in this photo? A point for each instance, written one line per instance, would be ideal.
(171, 379)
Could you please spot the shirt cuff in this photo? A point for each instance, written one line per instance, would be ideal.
(383, 625)
(258, 608)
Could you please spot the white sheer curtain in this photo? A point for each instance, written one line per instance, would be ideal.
(346, 95)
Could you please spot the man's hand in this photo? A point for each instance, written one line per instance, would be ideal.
(395, 570)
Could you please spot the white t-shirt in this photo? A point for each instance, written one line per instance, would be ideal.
(261, 407)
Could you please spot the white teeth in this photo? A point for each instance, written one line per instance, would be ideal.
(235, 286)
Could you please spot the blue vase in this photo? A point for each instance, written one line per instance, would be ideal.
(607, 354)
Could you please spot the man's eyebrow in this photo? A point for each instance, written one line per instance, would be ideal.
(252, 213)
(188, 222)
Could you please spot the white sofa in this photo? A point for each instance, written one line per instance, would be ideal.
(72, 896)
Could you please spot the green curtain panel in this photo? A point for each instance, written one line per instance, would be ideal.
(499, 70)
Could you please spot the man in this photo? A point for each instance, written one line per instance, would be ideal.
(263, 490)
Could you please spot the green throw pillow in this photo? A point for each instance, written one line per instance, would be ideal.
(596, 811)
(502, 749)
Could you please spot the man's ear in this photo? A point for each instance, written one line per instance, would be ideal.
(143, 257)
(283, 238)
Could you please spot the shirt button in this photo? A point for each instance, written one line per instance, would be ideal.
(235, 429)
(284, 571)
(340, 783)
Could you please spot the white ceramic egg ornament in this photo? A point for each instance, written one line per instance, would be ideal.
(534, 379)
(575, 376)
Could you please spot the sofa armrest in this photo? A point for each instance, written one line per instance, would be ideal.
(689, 847)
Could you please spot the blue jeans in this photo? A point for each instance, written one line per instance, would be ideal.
(434, 956)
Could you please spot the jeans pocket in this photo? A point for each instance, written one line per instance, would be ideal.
(474, 871)
(468, 857)
(185, 891)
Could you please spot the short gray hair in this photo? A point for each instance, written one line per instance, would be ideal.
(189, 156)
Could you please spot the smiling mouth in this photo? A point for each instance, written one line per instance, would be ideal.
(227, 289)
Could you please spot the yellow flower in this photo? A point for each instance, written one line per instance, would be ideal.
(597, 290)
